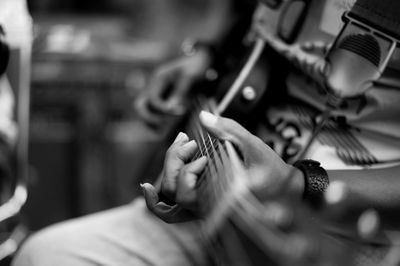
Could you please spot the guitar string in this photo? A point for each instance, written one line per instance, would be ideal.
(212, 152)
(250, 203)
(208, 147)
(204, 146)
(251, 224)
(270, 240)
(202, 152)
(217, 186)
(208, 245)
(211, 165)
(252, 208)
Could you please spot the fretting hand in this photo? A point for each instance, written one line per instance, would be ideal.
(177, 184)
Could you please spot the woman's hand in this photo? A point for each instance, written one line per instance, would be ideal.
(178, 181)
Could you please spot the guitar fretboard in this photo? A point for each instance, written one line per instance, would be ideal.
(214, 179)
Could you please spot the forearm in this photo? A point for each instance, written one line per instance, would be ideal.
(371, 188)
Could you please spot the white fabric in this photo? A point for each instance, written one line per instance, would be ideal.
(127, 235)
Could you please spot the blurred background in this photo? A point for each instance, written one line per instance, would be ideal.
(90, 60)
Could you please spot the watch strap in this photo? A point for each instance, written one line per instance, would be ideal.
(316, 181)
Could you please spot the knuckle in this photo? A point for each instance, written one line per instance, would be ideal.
(179, 151)
(229, 138)
(183, 172)
(172, 151)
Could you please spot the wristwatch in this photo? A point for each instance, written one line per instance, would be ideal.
(316, 181)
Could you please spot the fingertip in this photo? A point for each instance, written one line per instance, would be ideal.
(187, 150)
(181, 137)
(146, 186)
(203, 159)
(208, 119)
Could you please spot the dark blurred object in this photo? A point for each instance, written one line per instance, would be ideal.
(87, 148)
(15, 48)
(4, 52)
(40, 6)
(5, 151)
(104, 6)
(166, 21)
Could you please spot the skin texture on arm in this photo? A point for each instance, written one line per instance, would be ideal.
(378, 189)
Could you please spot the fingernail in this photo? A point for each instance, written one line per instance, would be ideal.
(180, 137)
(208, 118)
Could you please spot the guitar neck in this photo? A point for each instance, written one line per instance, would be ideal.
(213, 178)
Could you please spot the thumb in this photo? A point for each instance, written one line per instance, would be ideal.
(150, 195)
(167, 213)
